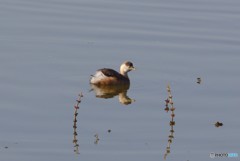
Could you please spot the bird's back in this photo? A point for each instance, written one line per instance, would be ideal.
(108, 76)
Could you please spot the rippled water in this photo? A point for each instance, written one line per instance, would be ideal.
(49, 49)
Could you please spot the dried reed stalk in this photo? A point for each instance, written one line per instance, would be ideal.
(169, 106)
(75, 140)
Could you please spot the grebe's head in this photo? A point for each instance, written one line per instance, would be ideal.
(126, 67)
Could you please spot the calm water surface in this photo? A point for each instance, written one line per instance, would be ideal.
(49, 48)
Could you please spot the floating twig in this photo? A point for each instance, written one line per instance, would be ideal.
(218, 124)
(199, 80)
(96, 139)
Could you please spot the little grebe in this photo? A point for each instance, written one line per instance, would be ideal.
(108, 76)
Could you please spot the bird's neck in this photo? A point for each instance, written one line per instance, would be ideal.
(122, 72)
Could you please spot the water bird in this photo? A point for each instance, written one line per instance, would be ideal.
(107, 76)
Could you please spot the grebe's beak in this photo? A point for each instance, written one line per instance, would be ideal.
(133, 68)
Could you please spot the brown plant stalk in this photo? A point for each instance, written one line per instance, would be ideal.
(170, 106)
(75, 140)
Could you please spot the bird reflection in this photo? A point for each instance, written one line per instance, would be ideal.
(112, 91)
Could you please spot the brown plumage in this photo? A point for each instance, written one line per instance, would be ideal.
(108, 76)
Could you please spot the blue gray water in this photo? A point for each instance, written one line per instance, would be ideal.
(49, 49)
